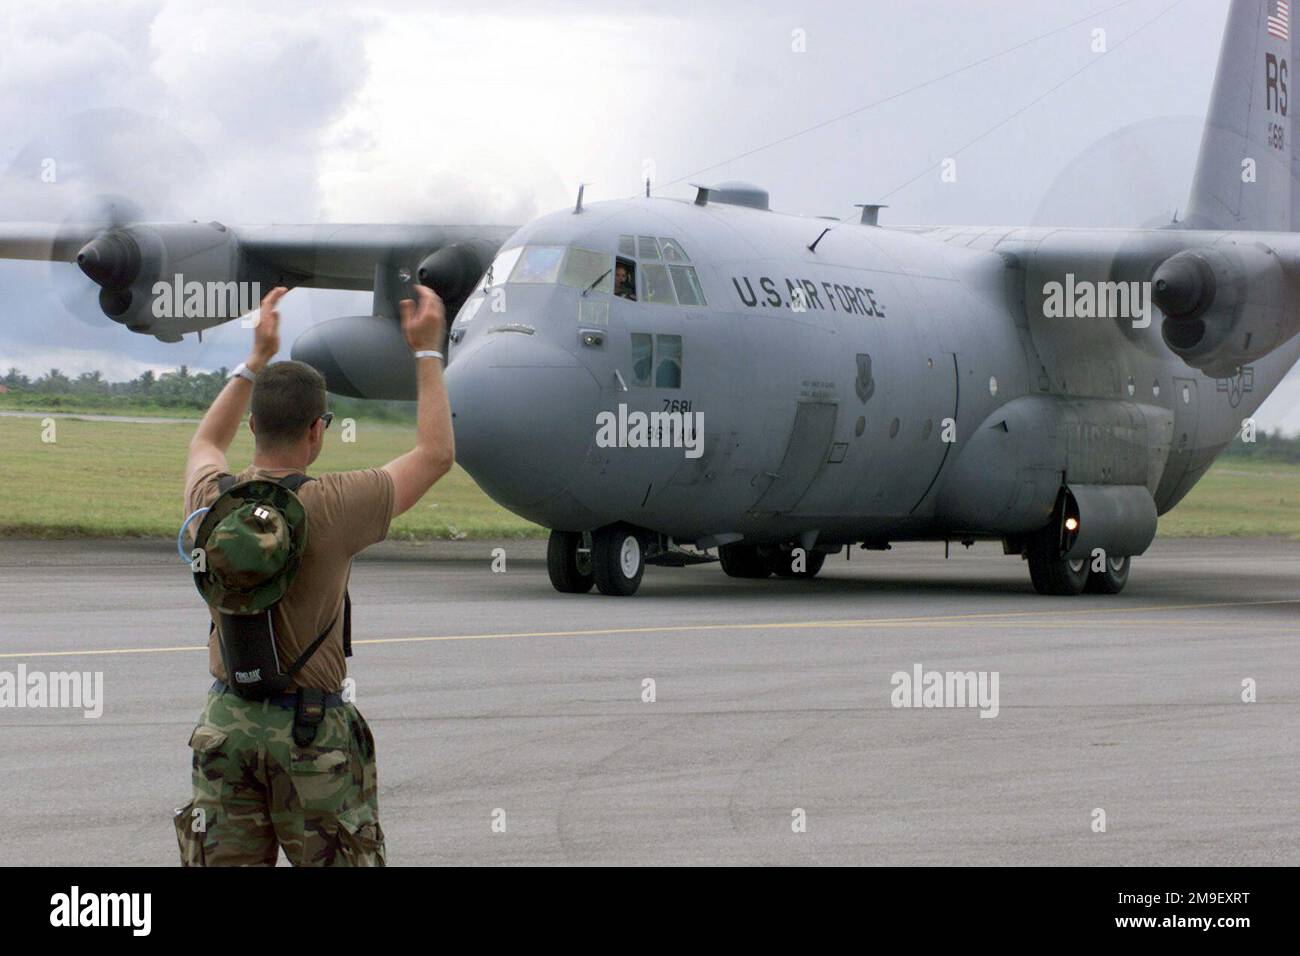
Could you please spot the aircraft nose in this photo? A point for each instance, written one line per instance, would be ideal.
(524, 413)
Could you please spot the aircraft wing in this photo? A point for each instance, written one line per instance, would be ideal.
(1218, 299)
(43, 241)
(128, 260)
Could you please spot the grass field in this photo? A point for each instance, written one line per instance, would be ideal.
(1239, 498)
(107, 478)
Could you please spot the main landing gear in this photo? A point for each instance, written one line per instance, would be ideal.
(612, 558)
(1053, 573)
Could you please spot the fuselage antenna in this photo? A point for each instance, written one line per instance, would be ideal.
(813, 247)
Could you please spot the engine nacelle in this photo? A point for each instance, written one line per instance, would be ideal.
(454, 270)
(1225, 306)
(362, 356)
(166, 279)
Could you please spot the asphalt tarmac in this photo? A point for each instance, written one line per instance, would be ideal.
(495, 699)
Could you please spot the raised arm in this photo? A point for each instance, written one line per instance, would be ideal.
(435, 448)
(221, 423)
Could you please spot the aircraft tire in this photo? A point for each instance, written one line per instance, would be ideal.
(743, 561)
(780, 563)
(617, 559)
(570, 571)
(1051, 573)
(1111, 580)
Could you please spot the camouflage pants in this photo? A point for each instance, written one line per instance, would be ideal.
(256, 791)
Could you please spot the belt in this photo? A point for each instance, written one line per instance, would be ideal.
(288, 701)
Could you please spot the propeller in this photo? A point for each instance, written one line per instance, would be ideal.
(104, 168)
(1137, 177)
(110, 259)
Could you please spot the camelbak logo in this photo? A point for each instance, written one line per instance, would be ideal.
(248, 677)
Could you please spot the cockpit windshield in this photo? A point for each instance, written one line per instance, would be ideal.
(582, 268)
(499, 272)
(588, 270)
(646, 269)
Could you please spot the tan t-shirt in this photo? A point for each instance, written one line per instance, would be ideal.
(346, 512)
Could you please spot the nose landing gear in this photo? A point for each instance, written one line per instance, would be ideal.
(568, 562)
(612, 558)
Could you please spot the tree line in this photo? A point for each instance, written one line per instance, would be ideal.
(180, 389)
(176, 389)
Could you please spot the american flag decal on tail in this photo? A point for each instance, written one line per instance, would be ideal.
(1279, 21)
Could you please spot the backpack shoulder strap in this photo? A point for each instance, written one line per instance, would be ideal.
(294, 482)
(347, 624)
(311, 649)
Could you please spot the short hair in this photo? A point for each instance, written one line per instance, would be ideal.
(287, 398)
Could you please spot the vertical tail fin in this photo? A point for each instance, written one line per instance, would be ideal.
(1246, 173)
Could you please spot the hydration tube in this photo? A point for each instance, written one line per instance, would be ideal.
(180, 536)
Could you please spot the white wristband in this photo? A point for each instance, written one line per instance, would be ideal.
(243, 371)
(429, 353)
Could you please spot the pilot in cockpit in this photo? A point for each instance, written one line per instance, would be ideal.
(625, 280)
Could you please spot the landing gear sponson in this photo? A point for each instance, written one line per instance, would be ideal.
(613, 559)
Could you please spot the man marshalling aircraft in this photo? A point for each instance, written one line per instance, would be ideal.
(655, 378)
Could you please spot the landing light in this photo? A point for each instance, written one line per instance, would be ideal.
(1071, 524)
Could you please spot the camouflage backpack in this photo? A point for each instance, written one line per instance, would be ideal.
(248, 549)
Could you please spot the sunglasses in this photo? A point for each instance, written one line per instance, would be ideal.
(327, 418)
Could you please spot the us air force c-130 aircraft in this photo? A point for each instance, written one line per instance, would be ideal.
(656, 378)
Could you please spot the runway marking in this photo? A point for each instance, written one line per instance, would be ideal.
(1058, 618)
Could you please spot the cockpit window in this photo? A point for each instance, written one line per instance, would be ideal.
(673, 251)
(656, 360)
(470, 308)
(673, 283)
(538, 264)
(655, 286)
(687, 284)
(585, 269)
(643, 357)
(668, 361)
(499, 271)
(625, 278)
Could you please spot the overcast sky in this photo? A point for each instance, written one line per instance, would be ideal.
(481, 112)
